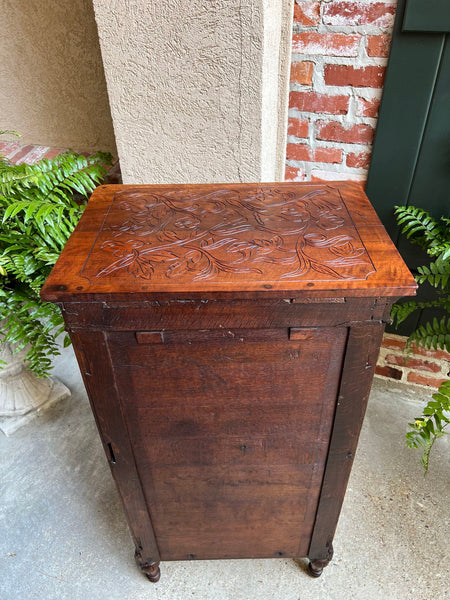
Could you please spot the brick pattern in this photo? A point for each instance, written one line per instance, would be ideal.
(339, 57)
(19, 154)
(420, 367)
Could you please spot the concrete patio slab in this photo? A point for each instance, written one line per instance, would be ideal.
(64, 536)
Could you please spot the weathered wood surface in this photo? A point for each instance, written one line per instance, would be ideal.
(232, 431)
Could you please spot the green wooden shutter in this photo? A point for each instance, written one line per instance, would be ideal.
(411, 154)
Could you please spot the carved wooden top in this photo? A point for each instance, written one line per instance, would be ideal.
(221, 238)
(228, 235)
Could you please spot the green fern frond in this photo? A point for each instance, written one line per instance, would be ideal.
(28, 321)
(50, 179)
(434, 237)
(37, 215)
(435, 248)
(433, 335)
(431, 425)
(422, 229)
(401, 311)
(415, 220)
(437, 273)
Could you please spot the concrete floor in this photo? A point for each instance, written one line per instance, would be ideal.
(63, 534)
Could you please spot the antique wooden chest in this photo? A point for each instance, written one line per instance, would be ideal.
(227, 336)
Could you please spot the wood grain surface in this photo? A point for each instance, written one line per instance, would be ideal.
(176, 241)
(231, 430)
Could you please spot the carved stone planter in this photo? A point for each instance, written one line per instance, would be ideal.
(22, 394)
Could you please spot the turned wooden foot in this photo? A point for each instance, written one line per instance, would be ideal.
(150, 570)
(317, 565)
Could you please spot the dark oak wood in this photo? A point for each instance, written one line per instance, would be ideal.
(358, 369)
(92, 354)
(227, 337)
(198, 314)
(219, 391)
(317, 565)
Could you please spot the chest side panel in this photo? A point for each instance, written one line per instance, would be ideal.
(230, 434)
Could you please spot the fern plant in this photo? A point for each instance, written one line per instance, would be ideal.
(38, 212)
(433, 236)
(430, 426)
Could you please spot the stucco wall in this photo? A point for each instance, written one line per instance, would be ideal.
(185, 81)
(275, 87)
(52, 85)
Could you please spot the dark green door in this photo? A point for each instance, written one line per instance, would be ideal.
(411, 155)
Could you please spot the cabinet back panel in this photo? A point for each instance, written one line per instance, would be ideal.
(230, 436)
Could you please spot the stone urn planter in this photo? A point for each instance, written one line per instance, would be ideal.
(24, 395)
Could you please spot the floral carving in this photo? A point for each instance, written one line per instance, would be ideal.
(228, 234)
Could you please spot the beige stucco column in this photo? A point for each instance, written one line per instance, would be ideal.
(198, 88)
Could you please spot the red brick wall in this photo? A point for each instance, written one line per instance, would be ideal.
(339, 55)
(420, 367)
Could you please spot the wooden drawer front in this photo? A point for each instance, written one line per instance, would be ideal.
(230, 432)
